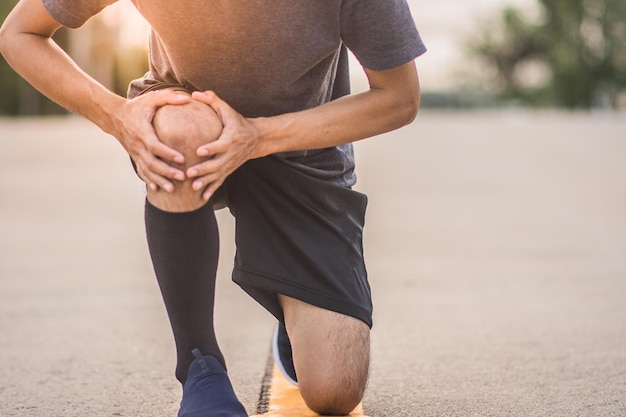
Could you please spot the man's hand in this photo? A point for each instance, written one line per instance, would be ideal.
(134, 129)
(235, 146)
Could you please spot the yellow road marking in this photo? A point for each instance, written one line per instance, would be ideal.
(286, 401)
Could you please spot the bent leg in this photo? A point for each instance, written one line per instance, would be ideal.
(331, 356)
(183, 238)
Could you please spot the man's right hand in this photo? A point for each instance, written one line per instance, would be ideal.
(132, 126)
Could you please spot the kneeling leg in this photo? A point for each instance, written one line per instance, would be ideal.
(331, 356)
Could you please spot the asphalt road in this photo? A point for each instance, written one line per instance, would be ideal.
(496, 247)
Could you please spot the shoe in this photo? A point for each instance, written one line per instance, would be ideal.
(281, 349)
(208, 391)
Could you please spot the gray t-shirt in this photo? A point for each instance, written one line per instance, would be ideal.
(268, 57)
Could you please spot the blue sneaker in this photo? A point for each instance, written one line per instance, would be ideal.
(281, 349)
(208, 391)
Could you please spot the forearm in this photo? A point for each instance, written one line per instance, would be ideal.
(391, 102)
(50, 70)
(345, 120)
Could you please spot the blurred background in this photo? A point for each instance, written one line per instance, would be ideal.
(484, 53)
(495, 238)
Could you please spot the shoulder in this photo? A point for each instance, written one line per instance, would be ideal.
(381, 33)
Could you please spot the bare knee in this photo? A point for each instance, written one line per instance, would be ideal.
(185, 128)
(331, 356)
(332, 397)
(337, 391)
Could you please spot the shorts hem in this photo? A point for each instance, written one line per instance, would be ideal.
(266, 295)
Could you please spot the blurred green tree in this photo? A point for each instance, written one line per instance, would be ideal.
(573, 55)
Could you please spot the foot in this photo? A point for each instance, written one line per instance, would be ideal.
(208, 391)
(281, 348)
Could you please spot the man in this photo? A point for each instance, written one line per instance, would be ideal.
(275, 73)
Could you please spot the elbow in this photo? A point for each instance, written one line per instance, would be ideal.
(409, 101)
(5, 39)
(2, 40)
(409, 107)
(413, 107)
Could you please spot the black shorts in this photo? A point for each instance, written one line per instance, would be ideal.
(298, 235)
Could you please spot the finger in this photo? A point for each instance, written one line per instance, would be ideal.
(205, 97)
(213, 148)
(211, 189)
(155, 181)
(164, 169)
(205, 168)
(202, 182)
(150, 184)
(206, 173)
(160, 149)
(161, 98)
(223, 109)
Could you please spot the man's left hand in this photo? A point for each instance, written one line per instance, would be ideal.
(235, 146)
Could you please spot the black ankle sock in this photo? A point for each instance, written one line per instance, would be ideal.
(184, 248)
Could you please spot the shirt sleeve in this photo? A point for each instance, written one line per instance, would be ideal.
(74, 13)
(381, 33)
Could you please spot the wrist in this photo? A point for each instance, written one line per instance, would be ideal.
(104, 110)
(261, 129)
(271, 134)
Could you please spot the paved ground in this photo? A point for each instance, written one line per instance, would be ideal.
(496, 245)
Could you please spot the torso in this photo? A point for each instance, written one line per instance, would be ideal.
(266, 58)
